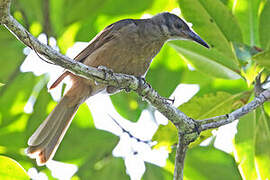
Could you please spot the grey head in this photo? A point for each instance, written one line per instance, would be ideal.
(176, 29)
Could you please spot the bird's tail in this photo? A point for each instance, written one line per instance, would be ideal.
(46, 139)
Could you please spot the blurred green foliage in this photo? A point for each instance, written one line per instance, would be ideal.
(11, 169)
(238, 33)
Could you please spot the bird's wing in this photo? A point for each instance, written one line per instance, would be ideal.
(101, 39)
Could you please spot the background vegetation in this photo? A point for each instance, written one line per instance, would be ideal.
(238, 33)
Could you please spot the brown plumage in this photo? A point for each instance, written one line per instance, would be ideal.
(127, 46)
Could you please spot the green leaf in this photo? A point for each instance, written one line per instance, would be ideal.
(76, 10)
(211, 105)
(83, 117)
(166, 136)
(249, 68)
(155, 172)
(263, 59)
(228, 3)
(252, 149)
(11, 56)
(82, 148)
(108, 168)
(262, 145)
(31, 10)
(79, 12)
(128, 105)
(208, 163)
(111, 7)
(208, 17)
(208, 61)
(85, 13)
(14, 96)
(264, 26)
(90, 153)
(11, 170)
(161, 6)
(246, 12)
(211, 85)
(244, 146)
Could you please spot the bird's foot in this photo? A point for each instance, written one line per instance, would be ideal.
(106, 70)
(143, 82)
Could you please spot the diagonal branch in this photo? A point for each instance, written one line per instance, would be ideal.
(218, 121)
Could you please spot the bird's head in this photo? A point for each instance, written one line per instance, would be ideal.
(176, 29)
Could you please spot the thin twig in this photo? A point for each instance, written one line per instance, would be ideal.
(218, 121)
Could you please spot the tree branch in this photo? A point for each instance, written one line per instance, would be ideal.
(180, 157)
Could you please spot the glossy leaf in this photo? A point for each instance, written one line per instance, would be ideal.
(166, 136)
(208, 163)
(208, 17)
(208, 61)
(244, 145)
(156, 172)
(213, 104)
(92, 153)
(111, 7)
(264, 26)
(128, 105)
(252, 149)
(161, 6)
(8, 59)
(263, 59)
(14, 97)
(107, 168)
(30, 11)
(262, 145)
(246, 12)
(212, 85)
(11, 170)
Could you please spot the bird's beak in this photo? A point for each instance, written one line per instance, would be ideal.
(193, 36)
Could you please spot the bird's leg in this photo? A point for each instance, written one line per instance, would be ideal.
(109, 89)
(105, 70)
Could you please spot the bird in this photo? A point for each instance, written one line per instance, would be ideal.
(126, 46)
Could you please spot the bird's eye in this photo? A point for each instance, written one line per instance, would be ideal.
(178, 26)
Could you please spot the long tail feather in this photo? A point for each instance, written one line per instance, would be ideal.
(46, 139)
